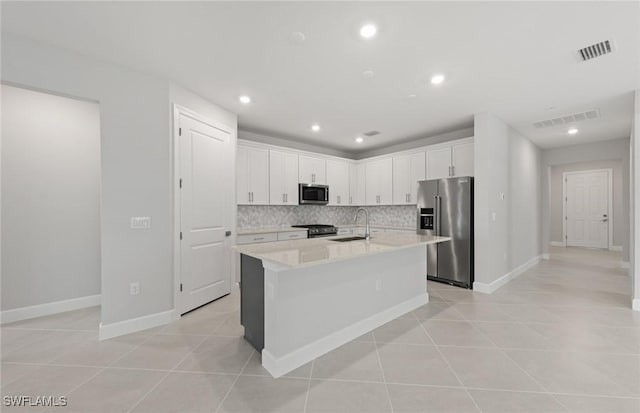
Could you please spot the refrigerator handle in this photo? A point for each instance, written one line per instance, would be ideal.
(436, 217)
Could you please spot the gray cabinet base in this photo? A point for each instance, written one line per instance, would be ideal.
(252, 300)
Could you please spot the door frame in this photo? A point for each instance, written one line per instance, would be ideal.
(175, 165)
(609, 172)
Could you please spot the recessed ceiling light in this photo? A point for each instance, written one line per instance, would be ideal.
(572, 131)
(298, 37)
(368, 74)
(245, 99)
(368, 31)
(315, 128)
(437, 79)
(359, 139)
(412, 96)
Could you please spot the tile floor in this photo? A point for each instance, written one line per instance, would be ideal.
(560, 338)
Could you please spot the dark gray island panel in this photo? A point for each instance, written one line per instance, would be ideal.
(252, 300)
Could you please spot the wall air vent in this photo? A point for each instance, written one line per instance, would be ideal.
(371, 133)
(596, 50)
(567, 119)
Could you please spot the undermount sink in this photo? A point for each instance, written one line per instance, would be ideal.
(348, 239)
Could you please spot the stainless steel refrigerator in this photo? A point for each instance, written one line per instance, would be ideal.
(445, 207)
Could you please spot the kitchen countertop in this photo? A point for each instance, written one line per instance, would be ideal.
(316, 251)
(377, 226)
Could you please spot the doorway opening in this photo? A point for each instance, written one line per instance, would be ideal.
(51, 218)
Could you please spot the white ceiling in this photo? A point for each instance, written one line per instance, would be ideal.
(512, 59)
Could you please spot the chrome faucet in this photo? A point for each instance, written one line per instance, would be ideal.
(367, 234)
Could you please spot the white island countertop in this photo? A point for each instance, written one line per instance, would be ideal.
(316, 251)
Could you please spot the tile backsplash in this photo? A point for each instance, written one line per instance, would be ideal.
(254, 216)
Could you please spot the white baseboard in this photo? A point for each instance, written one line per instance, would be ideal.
(616, 248)
(636, 304)
(546, 256)
(134, 325)
(33, 311)
(277, 367)
(493, 286)
(557, 244)
(624, 264)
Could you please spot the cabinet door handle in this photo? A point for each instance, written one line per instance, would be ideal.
(338, 199)
(286, 198)
(453, 170)
(409, 196)
(283, 198)
(249, 196)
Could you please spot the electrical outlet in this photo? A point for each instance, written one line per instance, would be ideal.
(134, 288)
(140, 222)
(378, 285)
(493, 216)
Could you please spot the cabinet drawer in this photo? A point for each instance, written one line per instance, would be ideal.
(256, 238)
(283, 236)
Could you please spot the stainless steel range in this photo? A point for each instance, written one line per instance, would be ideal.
(319, 230)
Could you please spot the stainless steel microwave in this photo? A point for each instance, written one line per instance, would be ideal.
(313, 194)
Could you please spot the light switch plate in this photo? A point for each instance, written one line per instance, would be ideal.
(140, 222)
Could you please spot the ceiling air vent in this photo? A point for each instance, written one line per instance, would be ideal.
(372, 133)
(596, 50)
(567, 119)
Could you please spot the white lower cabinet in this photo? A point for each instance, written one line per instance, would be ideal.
(285, 236)
(256, 238)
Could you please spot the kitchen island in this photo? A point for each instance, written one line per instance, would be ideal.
(301, 299)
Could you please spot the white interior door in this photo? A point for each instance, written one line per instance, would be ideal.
(587, 209)
(206, 212)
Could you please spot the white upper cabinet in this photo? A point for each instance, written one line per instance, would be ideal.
(449, 161)
(439, 163)
(338, 181)
(378, 177)
(283, 178)
(312, 170)
(407, 171)
(252, 176)
(462, 159)
(356, 183)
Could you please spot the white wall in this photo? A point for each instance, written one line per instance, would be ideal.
(136, 179)
(595, 154)
(617, 217)
(507, 234)
(634, 157)
(51, 198)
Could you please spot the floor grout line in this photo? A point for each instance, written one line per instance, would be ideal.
(450, 368)
(246, 363)
(306, 399)
(384, 376)
(144, 396)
